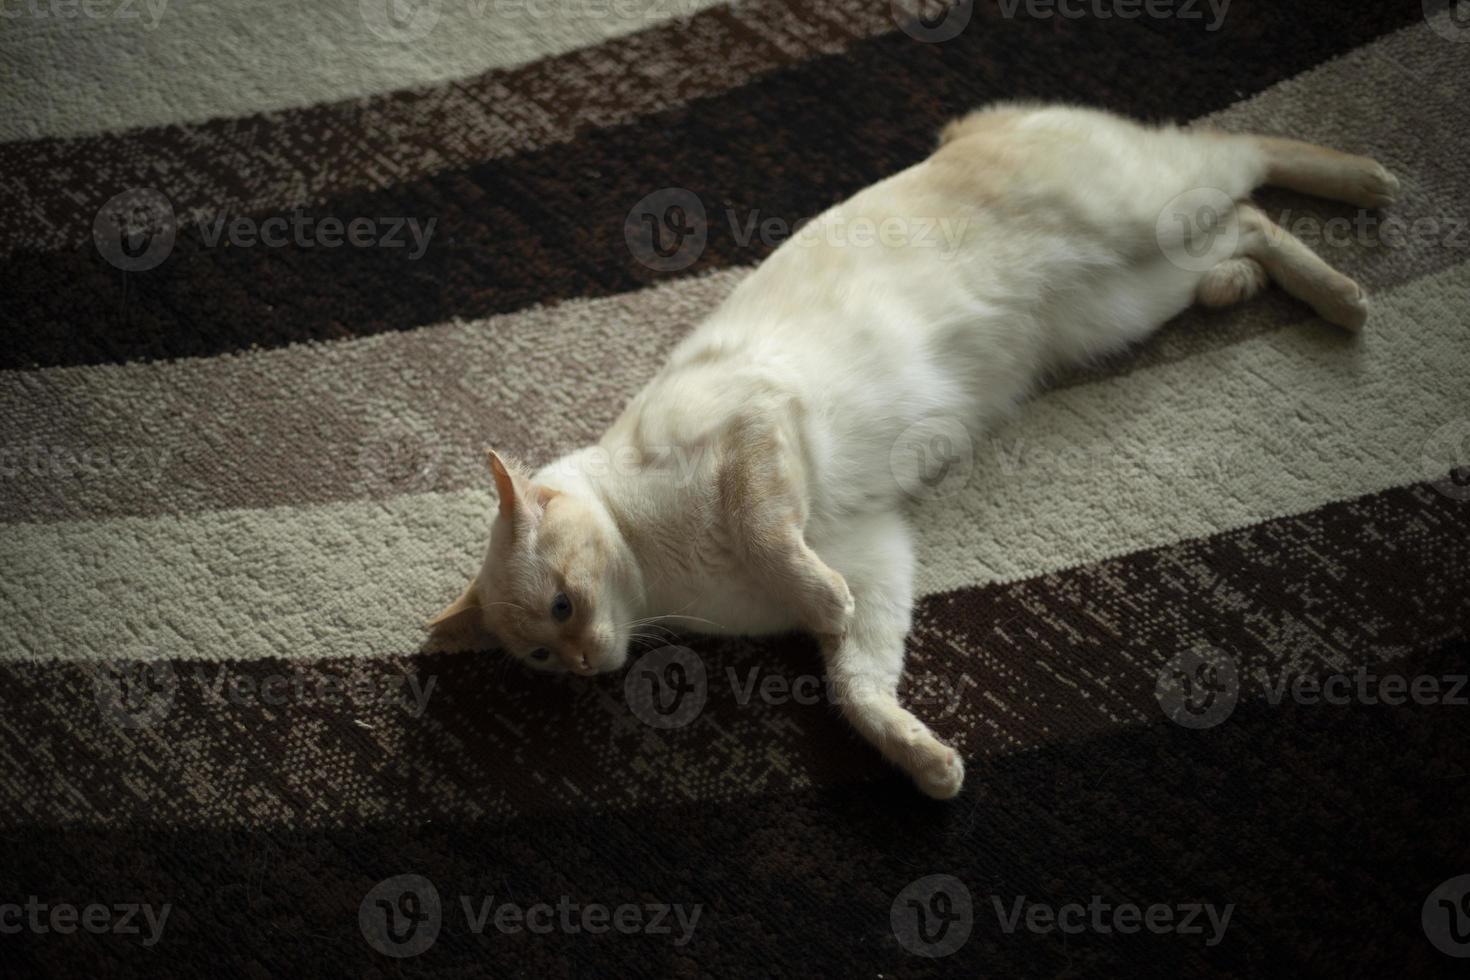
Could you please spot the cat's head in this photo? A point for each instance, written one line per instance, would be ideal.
(558, 586)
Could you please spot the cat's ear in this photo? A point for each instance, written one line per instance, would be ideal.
(459, 613)
(521, 501)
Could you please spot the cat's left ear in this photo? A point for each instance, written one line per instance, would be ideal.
(521, 501)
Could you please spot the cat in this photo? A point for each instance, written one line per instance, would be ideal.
(1077, 233)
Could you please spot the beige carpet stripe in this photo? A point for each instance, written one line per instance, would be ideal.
(408, 412)
(381, 416)
(267, 55)
(1275, 425)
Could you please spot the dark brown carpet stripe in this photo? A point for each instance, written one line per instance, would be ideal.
(1323, 830)
(301, 157)
(546, 225)
(998, 670)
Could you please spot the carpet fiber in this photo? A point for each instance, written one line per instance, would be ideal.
(238, 474)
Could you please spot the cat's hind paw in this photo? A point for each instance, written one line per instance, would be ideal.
(1374, 187)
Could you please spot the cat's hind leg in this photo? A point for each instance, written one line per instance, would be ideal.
(864, 665)
(1299, 270)
(1299, 166)
(1324, 172)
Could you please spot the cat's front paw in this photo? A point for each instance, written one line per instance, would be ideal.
(941, 772)
(835, 607)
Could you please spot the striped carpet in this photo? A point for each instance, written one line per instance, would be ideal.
(237, 475)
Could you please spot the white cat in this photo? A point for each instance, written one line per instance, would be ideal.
(752, 487)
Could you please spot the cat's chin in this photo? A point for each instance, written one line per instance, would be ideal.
(606, 665)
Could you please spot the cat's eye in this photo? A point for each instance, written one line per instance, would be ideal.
(561, 608)
(540, 653)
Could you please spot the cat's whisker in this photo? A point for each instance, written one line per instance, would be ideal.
(694, 619)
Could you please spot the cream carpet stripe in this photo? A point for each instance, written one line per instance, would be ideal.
(174, 61)
(1275, 425)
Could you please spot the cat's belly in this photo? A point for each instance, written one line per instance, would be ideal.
(721, 607)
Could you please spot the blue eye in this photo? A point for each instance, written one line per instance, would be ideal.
(540, 653)
(561, 608)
